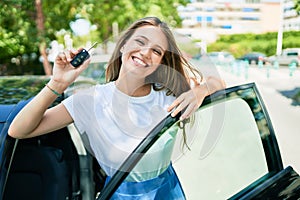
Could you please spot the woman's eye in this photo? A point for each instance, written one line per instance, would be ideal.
(140, 42)
(156, 51)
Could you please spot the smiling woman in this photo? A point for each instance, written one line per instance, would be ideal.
(147, 78)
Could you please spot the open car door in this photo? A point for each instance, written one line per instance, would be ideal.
(231, 151)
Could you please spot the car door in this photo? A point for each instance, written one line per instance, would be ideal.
(231, 151)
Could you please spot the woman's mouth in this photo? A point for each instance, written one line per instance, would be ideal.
(139, 61)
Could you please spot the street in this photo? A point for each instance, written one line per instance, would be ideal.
(284, 116)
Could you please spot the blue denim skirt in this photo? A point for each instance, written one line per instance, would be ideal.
(166, 186)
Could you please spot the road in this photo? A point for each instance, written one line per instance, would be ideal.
(285, 117)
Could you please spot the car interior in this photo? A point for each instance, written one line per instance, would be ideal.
(45, 167)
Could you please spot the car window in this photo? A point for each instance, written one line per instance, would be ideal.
(16, 88)
(294, 53)
(96, 71)
(97, 67)
(225, 155)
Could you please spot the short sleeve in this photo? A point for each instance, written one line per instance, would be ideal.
(81, 108)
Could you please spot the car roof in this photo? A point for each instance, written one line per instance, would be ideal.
(291, 49)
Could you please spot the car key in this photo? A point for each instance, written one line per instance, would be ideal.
(81, 56)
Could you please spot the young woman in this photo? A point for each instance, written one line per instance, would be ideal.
(147, 78)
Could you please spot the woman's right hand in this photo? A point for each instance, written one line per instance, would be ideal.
(63, 72)
(35, 118)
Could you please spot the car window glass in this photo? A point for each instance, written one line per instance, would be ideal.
(96, 71)
(225, 155)
(294, 53)
(157, 158)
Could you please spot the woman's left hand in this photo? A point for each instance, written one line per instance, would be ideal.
(188, 102)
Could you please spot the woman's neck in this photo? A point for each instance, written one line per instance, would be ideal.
(133, 88)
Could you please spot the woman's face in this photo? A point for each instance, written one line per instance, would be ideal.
(143, 51)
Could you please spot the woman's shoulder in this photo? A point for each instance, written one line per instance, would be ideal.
(90, 91)
(104, 88)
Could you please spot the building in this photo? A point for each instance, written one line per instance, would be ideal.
(291, 20)
(207, 19)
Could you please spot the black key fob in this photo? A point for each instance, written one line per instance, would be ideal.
(80, 58)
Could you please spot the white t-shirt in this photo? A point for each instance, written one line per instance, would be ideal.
(116, 123)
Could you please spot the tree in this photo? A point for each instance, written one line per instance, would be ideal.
(25, 28)
(40, 33)
(297, 6)
(103, 13)
(29, 26)
(14, 29)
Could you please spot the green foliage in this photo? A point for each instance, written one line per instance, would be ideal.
(297, 6)
(14, 30)
(19, 34)
(103, 13)
(240, 44)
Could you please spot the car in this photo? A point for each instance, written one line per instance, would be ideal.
(254, 57)
(221, 57)
(288, 57)
(231, 153)
(97, 67)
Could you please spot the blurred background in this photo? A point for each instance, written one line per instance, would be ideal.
(33, 32)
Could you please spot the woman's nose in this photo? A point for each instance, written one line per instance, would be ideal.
(145, 51)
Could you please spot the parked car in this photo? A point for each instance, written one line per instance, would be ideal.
(287, 57)
(254, 57)
(97, 67)
(233, 153)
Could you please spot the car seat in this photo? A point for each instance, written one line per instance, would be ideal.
(40, 168)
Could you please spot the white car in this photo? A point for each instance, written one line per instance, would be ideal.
(287, 57)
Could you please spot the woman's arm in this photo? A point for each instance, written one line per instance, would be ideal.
(35, 118)
(192, 99)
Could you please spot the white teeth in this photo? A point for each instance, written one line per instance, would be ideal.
(139, 61)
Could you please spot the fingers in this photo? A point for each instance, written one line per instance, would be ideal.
(187, 103)
(175, 104)
(178, 105)
(84, 65)
(182, 102)
(65, 57)
(73, 53)
(61, 58)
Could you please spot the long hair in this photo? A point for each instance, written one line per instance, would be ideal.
(173, 72)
